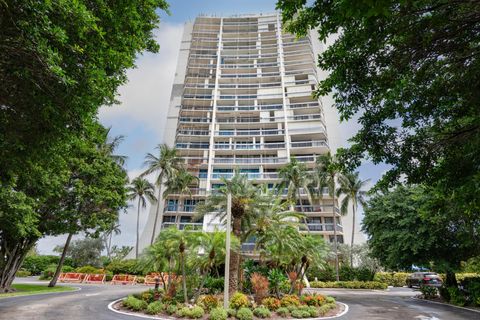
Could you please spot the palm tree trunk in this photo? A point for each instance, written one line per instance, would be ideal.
(335, 245)
(353, 236)
(157, 211)
(235, 257)
(301, 208)
(177, 218)
(184, 277)
(53, 282)
(138, 228)
(110, 236)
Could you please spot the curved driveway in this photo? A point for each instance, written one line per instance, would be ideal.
(91, 303)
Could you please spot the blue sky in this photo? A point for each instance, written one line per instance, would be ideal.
(141, 115)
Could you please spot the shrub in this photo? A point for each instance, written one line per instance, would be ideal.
(135, 304)
(214, 285)
(88, 269)
(313, 299)
(260, 286)
(290, 300)
(196, 312)
(238, 300)
(182, 312)
(429, 292)
(231, 312)
(330, 300)
(140, 280)
(346, 273)
(148, 296)
(271, 303)
(208, 302)
(244, 314)
(325, 308)
(364, 274)
(471, 287)
(262, 312)
(456, 296)
(48, 273)
(283, 312)
(321, 273)
(23, 273)
(349, 284)
(299, 313)
(218, 314)
(128, 266)
(312, 311)
(397, 279)
(155, 307)
(171, 309)
(36, 264)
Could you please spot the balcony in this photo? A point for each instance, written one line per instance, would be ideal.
(192, 145)
(322, 227)
(187, 226)
(309, 144)
(193, 132)
(316, 209)
(250, 146)
(259, 132)
(194, 120)
(250, 120)
(250, 175)
(251, 108)
(261, 160)
(305, 117)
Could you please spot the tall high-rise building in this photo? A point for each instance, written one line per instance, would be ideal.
(242, 98)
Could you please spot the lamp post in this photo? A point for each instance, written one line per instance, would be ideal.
(227, 252)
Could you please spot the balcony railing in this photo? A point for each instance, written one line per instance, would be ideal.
(250, 175)
(251, 108)
(252, 146)
(300, 117)
(259, 132)
(323, 227)
(192, 145)
(307, 144)
(194, 119)
(188, 226)
(322, 208)
(249, 160)
(249, 119)
(193, 132)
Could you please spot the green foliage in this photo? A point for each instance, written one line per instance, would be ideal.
(208, 302)
(471, 287)
(456, 296)
(129, 266)
(326, 307)
(37, 263)
(148, 296)
(239, 300)
(231, 312)
(23, 273)
(349, 284)
(214, 285)
(196, 312)
(276, 278)
(48, 273)
(88, 269)
(85, 252)
(290, 300)
(182, 312)
(321, 273)
(300, 313)
(313, 299)
(154, 307)
(262, 312)
(244, 314)
(135, 304)
(171, 309)
(271, 303)
(283, 312)
(218, 313)
(394, 279)
(330, 300)
(429, 292)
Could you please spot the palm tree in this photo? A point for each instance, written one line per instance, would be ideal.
(211, 245)
(295, 177)
(351, 186)
(114, 228)
(166, 164)
(327, 171)
(243, 194)
(145, 191)
(110, 145)
(180, 184)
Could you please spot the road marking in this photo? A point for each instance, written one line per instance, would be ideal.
(92, 294)
(421, 317)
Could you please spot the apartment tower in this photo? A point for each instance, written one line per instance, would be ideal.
(242, 98)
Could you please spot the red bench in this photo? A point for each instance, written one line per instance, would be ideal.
(73, 277)
(95, 278)
(124, 279)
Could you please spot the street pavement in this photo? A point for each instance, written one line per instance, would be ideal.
(92, 300)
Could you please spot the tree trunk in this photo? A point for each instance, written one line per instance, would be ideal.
(12, 254)
(335, 245)
(234, 257)
(53, 282)
(110, 236)
(353, 236)
(451, 279)
(184, 277)
(157, 212)
(138, 228)
(301, 208)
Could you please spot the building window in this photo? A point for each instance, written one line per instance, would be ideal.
(339, 238)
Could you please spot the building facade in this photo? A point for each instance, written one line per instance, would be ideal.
(242, 98)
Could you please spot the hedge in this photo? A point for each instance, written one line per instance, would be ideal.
(394, 279)
(349, 284)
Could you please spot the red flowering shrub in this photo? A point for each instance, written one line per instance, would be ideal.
(259, 286)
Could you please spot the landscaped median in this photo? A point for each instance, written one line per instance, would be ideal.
(349, 284)
(23, 289)
(241, 307)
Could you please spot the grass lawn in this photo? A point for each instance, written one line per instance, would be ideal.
(24, 289)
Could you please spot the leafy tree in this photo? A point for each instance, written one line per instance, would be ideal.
(84, 252)
(327, 170)
(243, 194)
(60, 62)
(143, 190)
(409, 71)
(118, 253)
(113, 228)
(165, 166)
(411, 225)
(351, 187)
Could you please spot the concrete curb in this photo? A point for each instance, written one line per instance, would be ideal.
(110, 307)
(446, 304)
(42, 293)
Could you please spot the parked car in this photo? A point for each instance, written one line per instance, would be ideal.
(418, 279)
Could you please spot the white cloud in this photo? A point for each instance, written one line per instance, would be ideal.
(146, 96)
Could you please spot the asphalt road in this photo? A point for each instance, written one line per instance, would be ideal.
(92, 300)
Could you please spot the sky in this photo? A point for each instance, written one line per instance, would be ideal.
(141, 115)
